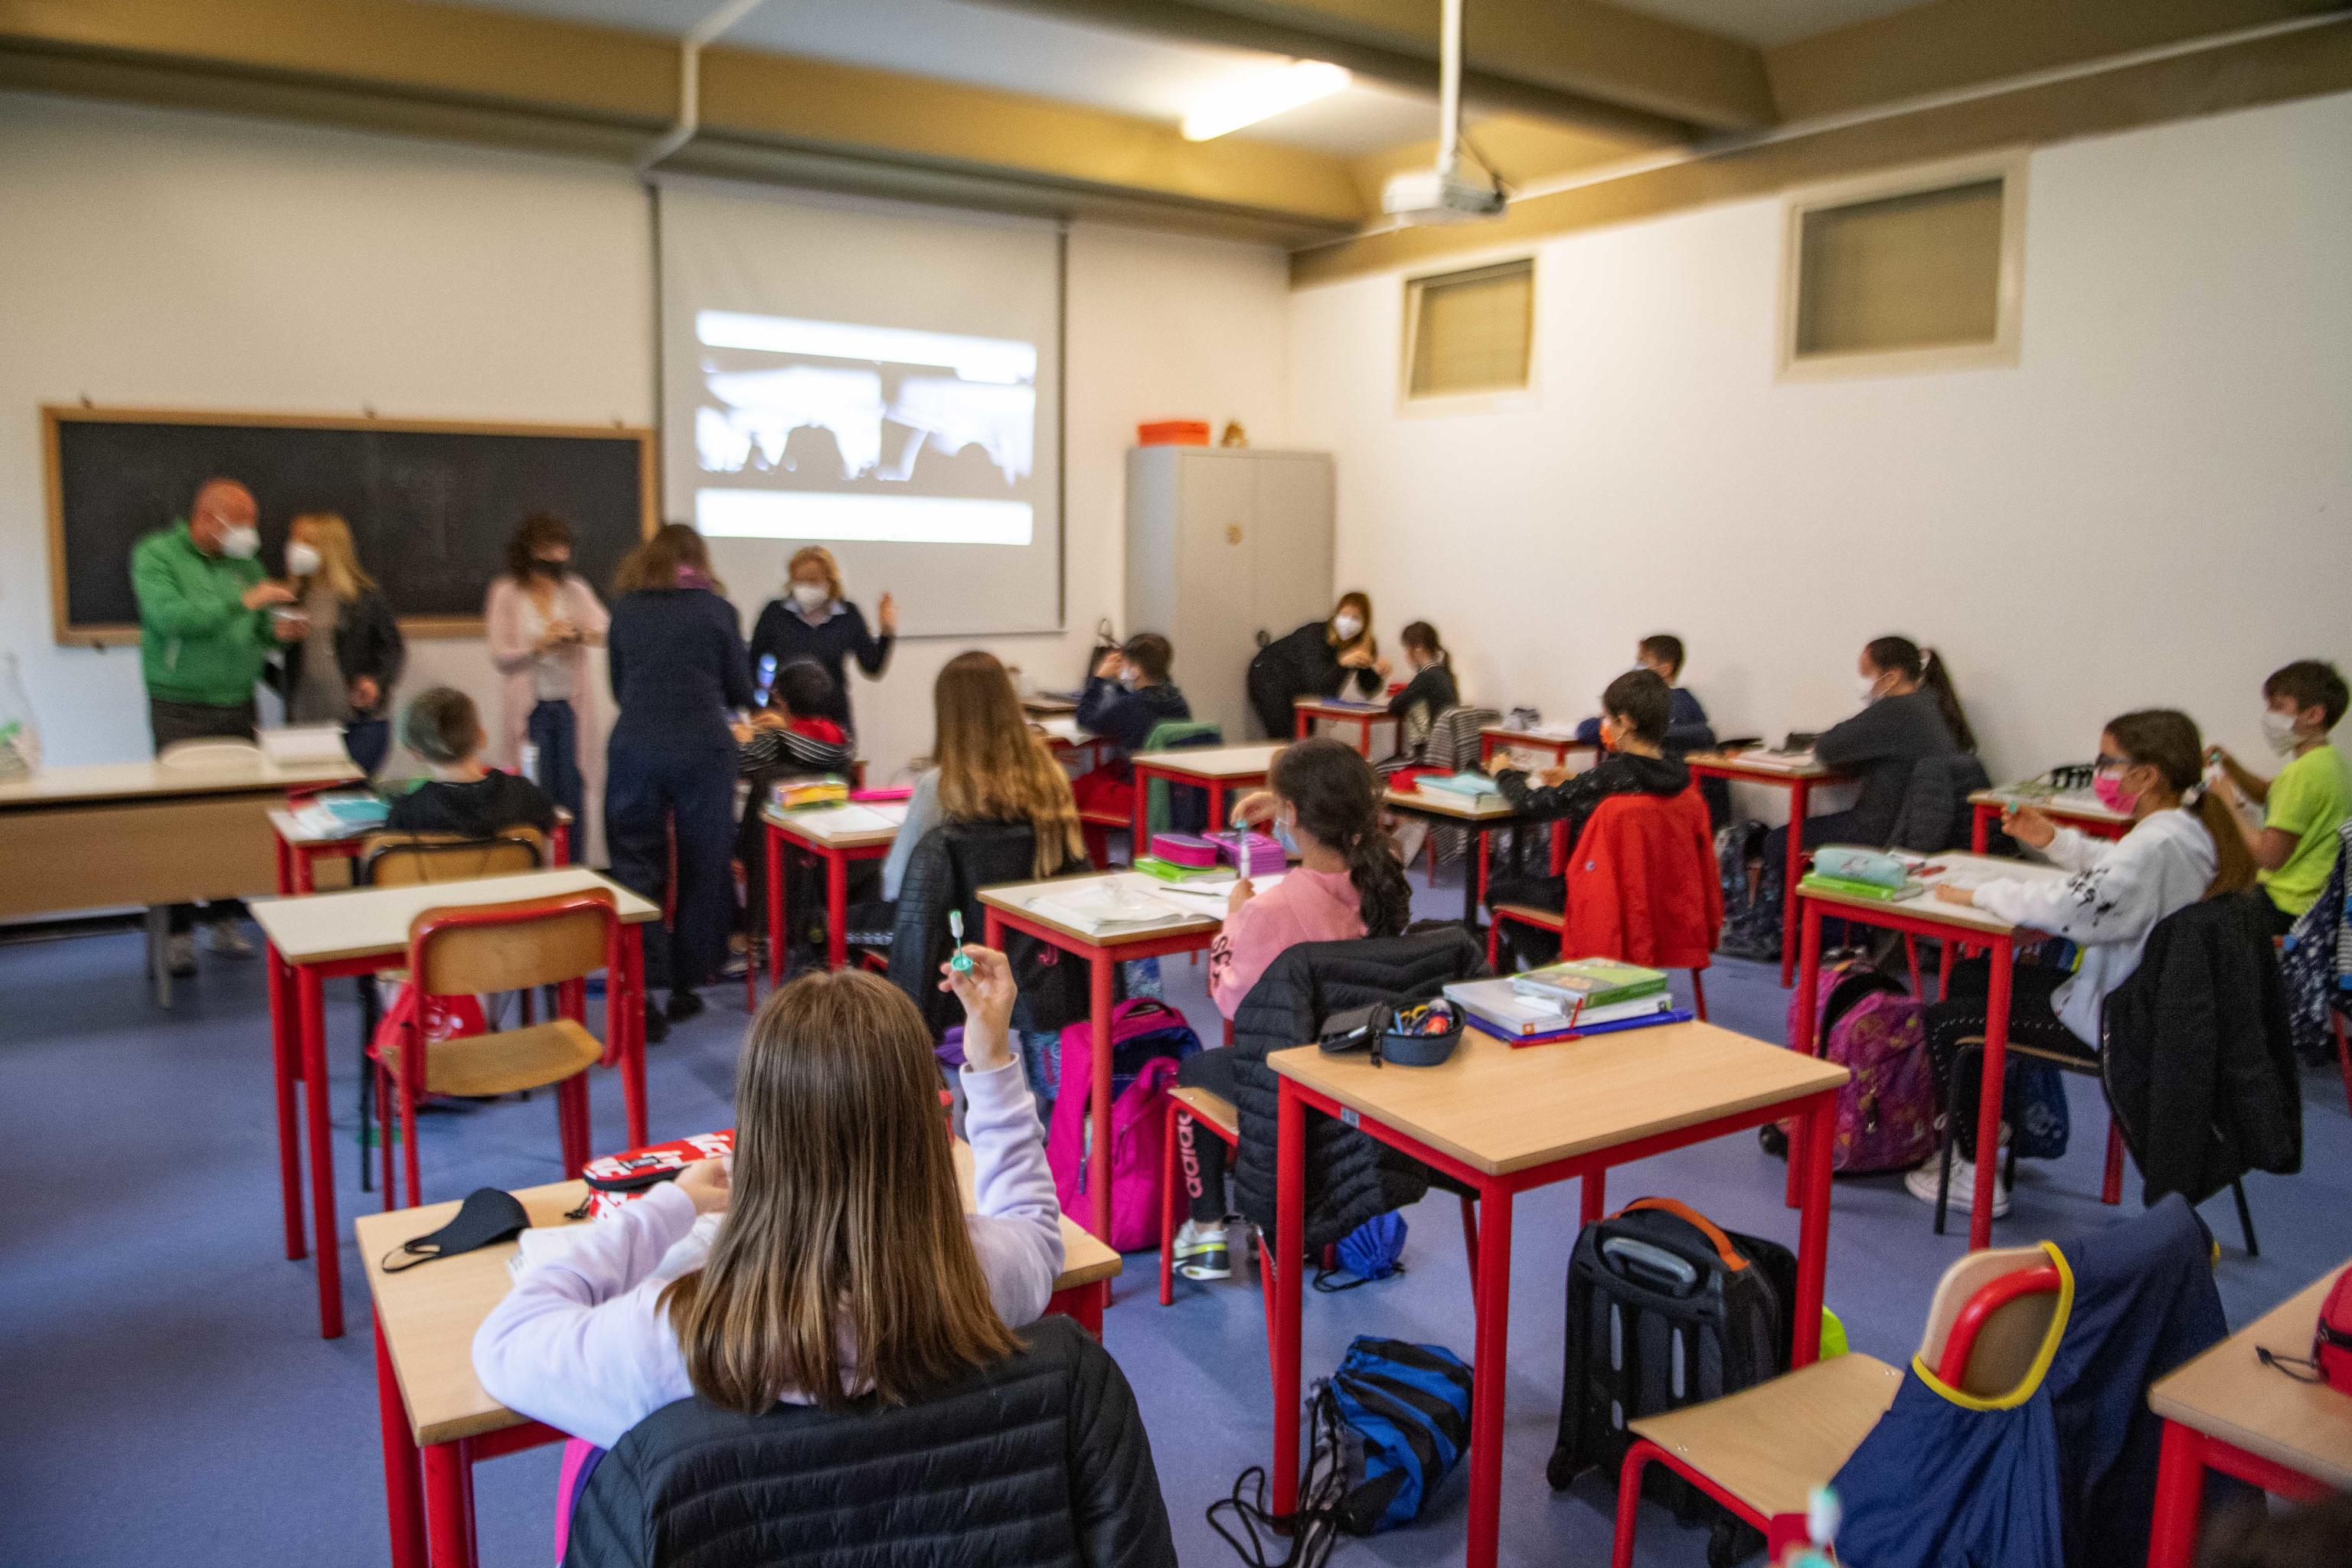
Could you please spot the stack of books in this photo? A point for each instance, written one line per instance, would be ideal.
(1581, 996)
(1847, 888)
(805, 794)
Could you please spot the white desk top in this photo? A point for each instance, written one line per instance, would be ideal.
(1966, 870)
(1062, 729)
(858, 826)
(1761, 766)
(1214, 762)
(1343, 707)
(1446, 803)
(94, 783)
(372, 923)
(1019, 897)
(288, 826)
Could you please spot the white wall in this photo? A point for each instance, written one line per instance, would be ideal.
(2155, 507)
(164, 260)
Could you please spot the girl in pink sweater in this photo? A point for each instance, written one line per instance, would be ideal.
(1347, 884)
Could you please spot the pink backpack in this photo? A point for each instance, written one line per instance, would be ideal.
(1148, 1038)
(1870, 1025)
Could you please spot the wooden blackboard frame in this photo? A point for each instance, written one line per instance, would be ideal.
(112, 633)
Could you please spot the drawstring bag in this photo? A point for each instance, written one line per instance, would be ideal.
(1373, 1250)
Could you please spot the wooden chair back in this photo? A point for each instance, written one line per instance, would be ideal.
(2007, 1336)
(514, 947)
(406, 859)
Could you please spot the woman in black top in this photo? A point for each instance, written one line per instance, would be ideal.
(678, 670)
(813, 622)
(1318, 659)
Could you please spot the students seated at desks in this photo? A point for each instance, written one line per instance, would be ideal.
(1127, 698)
(1634, 716)
(1348, 884)
(1321, 658)
(461, 796)
(2183, 846)
(2306, 805)
(793, 736)
(829, 1263)
(1661, 653)
(1430, 691)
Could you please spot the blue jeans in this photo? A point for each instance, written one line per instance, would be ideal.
(651, 791)
(553, 727)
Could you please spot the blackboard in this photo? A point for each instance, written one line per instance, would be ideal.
(431, 504)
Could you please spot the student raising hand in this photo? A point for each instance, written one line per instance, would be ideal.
(986, 991)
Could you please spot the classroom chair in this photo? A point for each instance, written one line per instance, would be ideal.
(557, 941)
(1760, 1452)
(1158, 811)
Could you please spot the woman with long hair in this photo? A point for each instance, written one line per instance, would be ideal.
(676, 651)
(343, 669)
(540, 618)
(1321, 659)
(987, 765)
(2183, 846)
(814, 621)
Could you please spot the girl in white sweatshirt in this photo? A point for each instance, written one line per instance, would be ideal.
(2181, 847)
(830, 1257)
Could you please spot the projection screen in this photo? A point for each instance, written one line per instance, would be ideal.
(874, 377)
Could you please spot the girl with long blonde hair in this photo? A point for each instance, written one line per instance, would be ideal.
(342, 667)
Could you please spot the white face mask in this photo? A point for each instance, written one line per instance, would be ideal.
(241, 543)
(2278, 730)
(811, 596)
(301, 559)
(1130, 679)
(1346, 626)
(1865, 688)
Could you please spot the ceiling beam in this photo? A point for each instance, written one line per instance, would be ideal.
(1593, 65)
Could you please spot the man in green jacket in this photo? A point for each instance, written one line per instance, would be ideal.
(204, 632)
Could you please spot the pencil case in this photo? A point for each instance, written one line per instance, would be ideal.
(1845, 864)
(1184, 849)
(1254, 853)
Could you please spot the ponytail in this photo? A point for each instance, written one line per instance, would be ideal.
(1337, 797)
(1925, 667)
(2233, 864)
(2168, 741)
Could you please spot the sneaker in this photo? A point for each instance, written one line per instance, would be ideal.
(1922, 1186)
(224, 938)
(684, 1004)
(657, 1026)
(1201, 1252)
(180, 954)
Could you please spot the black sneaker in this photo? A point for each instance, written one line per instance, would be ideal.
(657, 1026)
(684, 1004)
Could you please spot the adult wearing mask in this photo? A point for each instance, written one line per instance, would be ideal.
(540, 619)
(677, 670)
(1321, 659)
(205, 634)
(814, 622)
(349, 657)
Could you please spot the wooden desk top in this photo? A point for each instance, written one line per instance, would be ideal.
(1061, 730)
(429, 1313)
(1499, 1107)
(1970, 868)
(2227, 1394)
(1747, 766)
(847, 827)
(2073, 805)
(1043, 704)
(1341, 707)
(282, 821)
(1445, 803)
(1017, 897)
(369, 923)
(101, 783)
(1563, 737)
(1212, 762)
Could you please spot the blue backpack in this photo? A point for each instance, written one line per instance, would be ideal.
(1399, 1416)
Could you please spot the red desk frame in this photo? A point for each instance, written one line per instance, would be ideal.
(1160, 765)
(1306, 711)
(1985, 813)
(296, 863)
(837, 860)
(2185, 1455)
(1800, 800)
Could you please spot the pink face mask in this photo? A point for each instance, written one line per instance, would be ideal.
(2109, 788)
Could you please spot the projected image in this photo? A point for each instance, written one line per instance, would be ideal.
(831, 430)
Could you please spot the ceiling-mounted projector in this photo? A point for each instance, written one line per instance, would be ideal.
(1439, 196)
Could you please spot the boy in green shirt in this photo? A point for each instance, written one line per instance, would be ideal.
(2306, 803)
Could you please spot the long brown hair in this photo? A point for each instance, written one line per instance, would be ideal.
(537, 532)
(2166, 740)
(992, 767)
(675, 547)
(1926, 666)
(844, 1249)
(1338, 799)
(1363, 639)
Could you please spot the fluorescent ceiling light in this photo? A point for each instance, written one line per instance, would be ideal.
(1262, 95)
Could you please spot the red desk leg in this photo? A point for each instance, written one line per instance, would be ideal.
(1819, 1123)
(836, 909)
(282, 1059)
(632, 1021)
(1490, 1367)
(1800, 795)
(776, 938)
(1216, 805)
(1596, 1196)
(1303, 724)
(449, 1504)
(1082, 1304)
(2179, 1497)
(559, 844)
(313, 1033)
(1101, 973)
(1980, 827)
(1288, 1253)
(404, 1496)
(1139, 842)
(1996, 1062)
(1804, 1032)
(1364, 737)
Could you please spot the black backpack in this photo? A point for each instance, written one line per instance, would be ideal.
(1666, 1308)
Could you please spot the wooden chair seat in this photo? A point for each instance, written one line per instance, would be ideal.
(1532, 915)
(507, 1061)
(1771, 1444)
(1213, 1111)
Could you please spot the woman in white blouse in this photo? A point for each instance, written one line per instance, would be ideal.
(540, 619)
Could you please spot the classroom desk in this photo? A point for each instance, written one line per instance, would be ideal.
(837, 837)
(1509, 1118)
(2226, 1411)
(1965, 924)
(1799, 781)
(2073, 808)
(435, 1417)
(1008, 909)
(1041, 705)
(1216, 769)
(314, 938)
(110, 834)
(1480, 814)
(1065, 740)
(1557, 744)
(300, 848)
(1308, 710)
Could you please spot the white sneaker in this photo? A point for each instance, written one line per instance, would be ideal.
(1921, 1183)
(1200, 1251)
(224, 938)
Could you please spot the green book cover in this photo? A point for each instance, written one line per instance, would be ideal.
(1815, 882)
(1169, 871)
(1594, 981)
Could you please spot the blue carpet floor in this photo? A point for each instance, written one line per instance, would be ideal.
(164, 1397)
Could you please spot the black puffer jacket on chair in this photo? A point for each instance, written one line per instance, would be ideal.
(1351, 1177)
(1038, 1462)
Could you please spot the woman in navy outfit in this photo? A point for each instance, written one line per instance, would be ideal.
(813, 622)
(675, 650)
